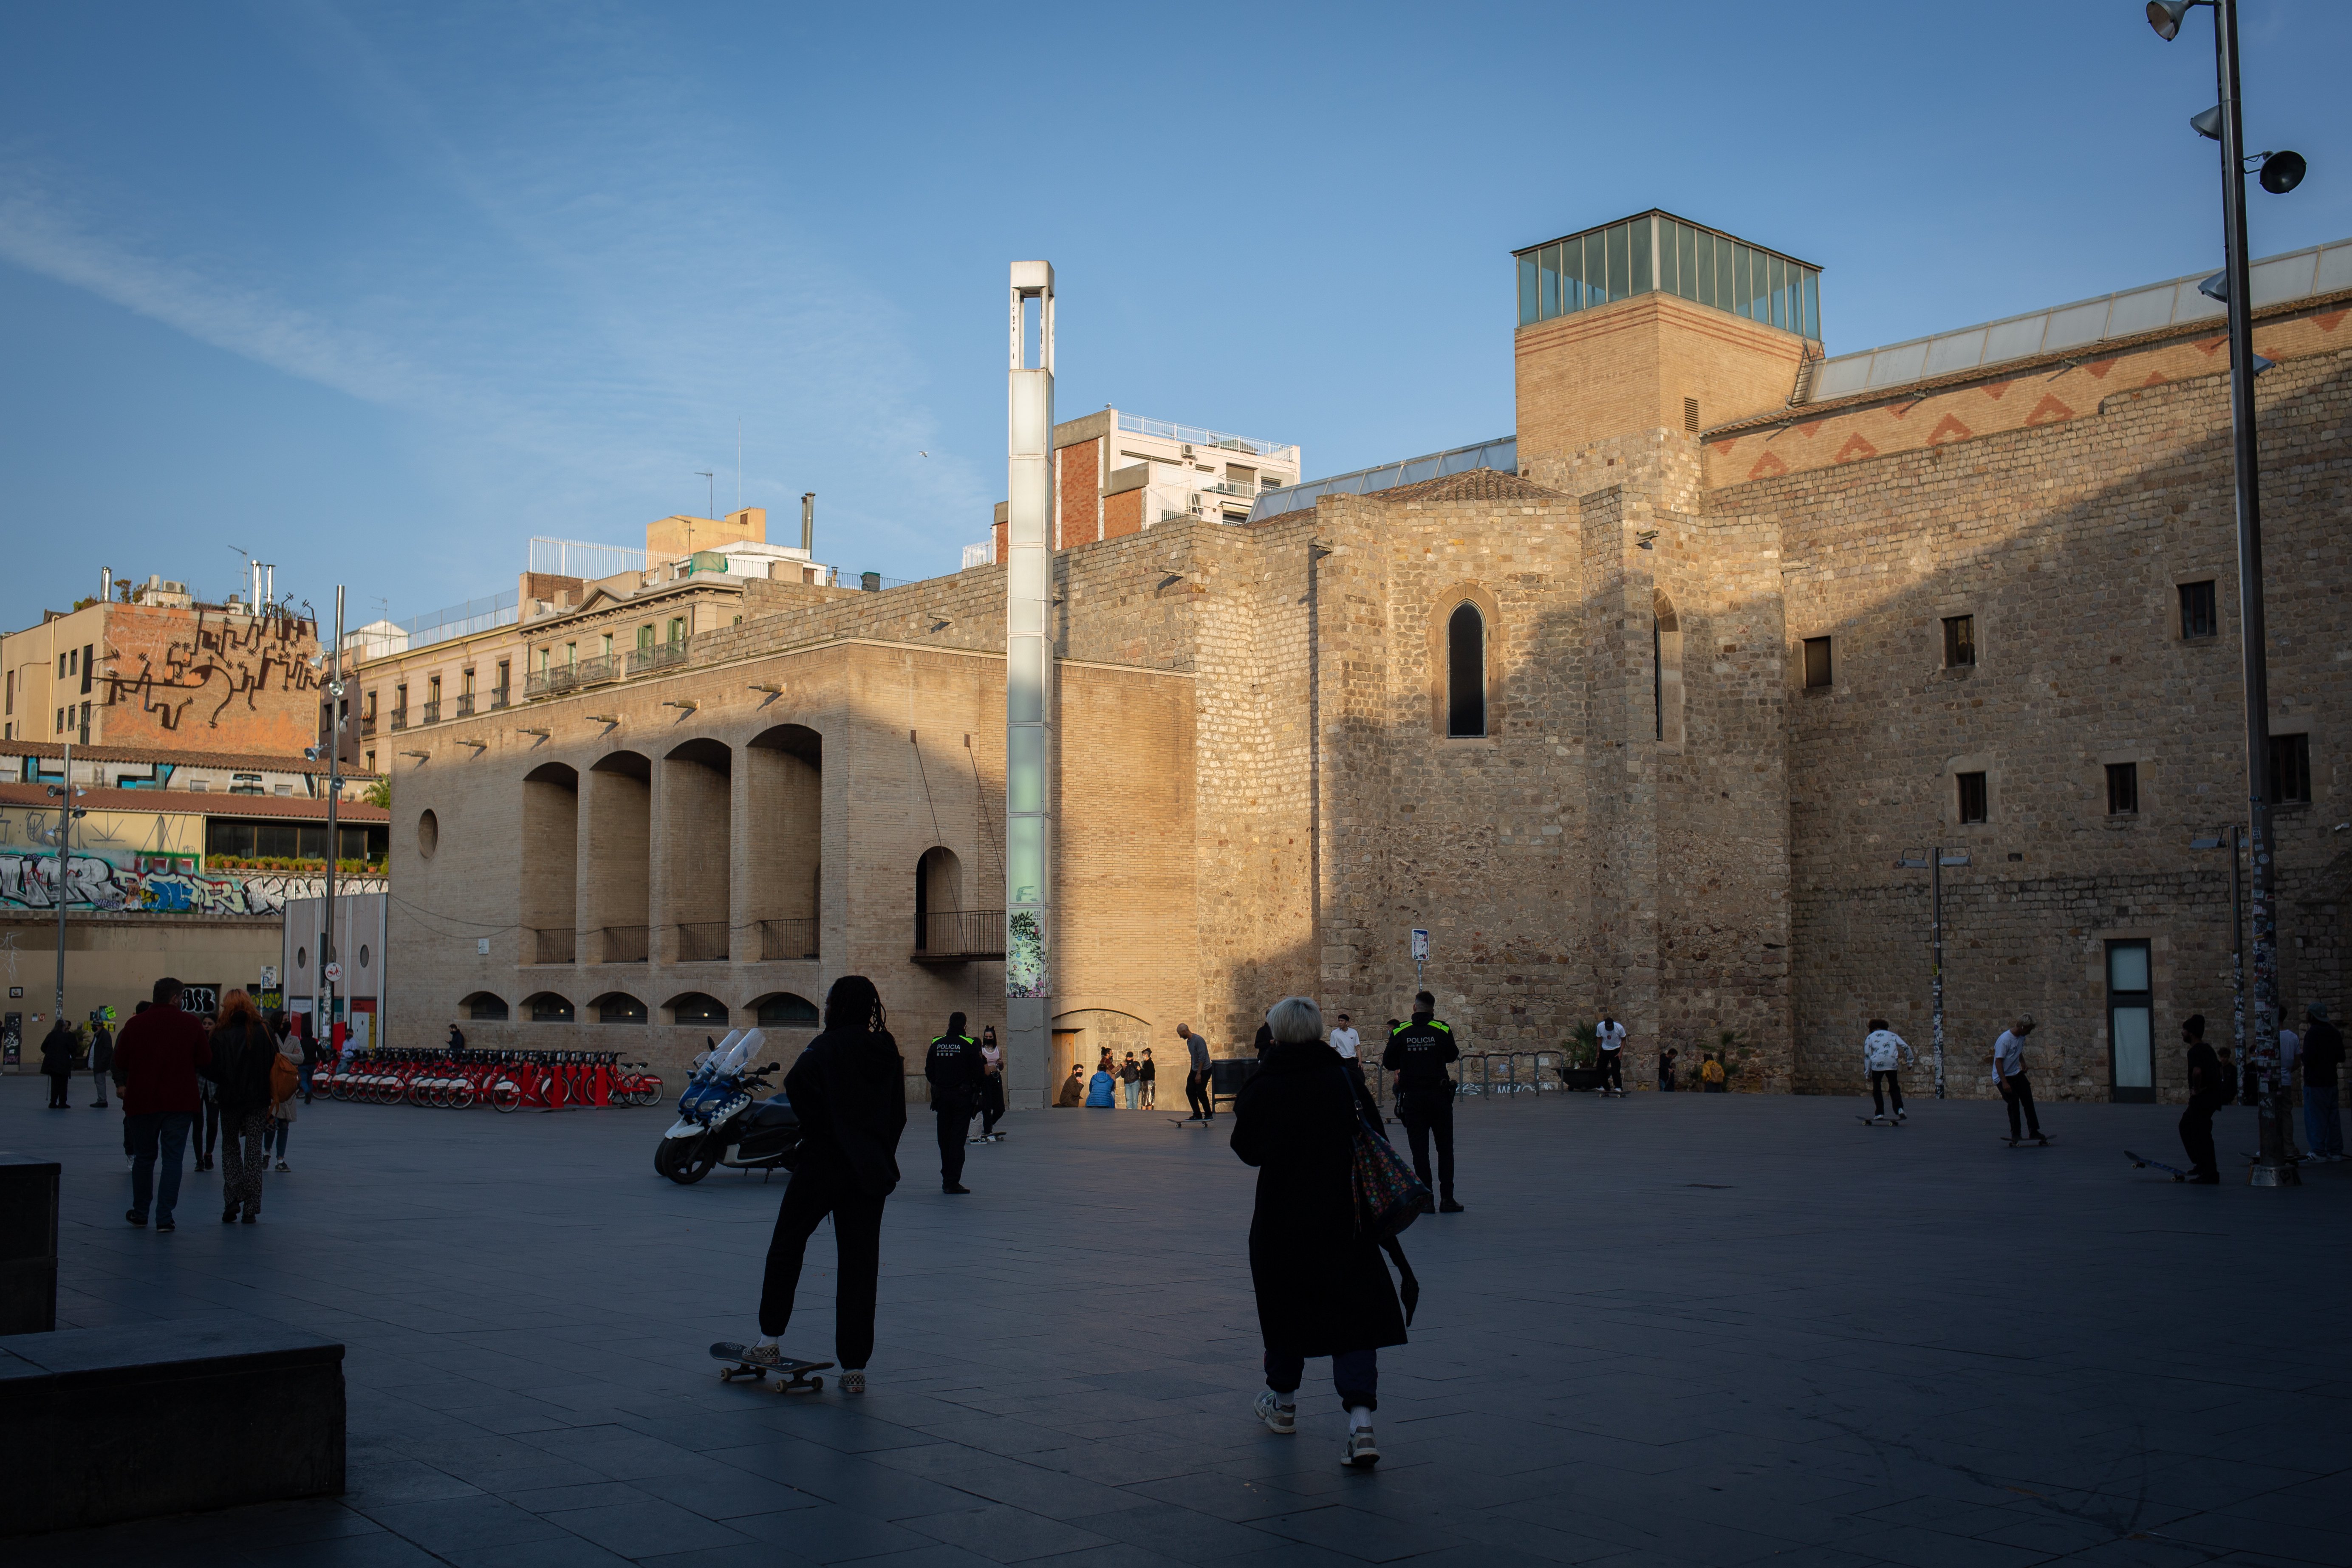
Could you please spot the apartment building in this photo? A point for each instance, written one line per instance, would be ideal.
(1116, 474)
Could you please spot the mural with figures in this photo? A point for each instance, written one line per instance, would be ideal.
(92, 882)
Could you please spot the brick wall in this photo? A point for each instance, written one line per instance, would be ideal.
(207, 681)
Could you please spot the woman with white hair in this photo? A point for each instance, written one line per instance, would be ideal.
(1322, 1288)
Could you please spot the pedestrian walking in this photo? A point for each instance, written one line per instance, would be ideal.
(1349, 1045)
(306, 1051)
(281, 1114)
(955, 1068)
(1196, 1075)
(57, 1052)
(2208, 1090)
(991, 1088)
(1884, 1054)
(1130, 1079)
(849, 1090)
(2323, 1055)
(1611, 1037)
(162, 1052)
(1666, 1070)
(129, 1155)
(1322, 1286)
(2016, 1088)
(1418, 1052)
(101, 1060)
(243, 1067)
(1147, 1077)
(2290, 1071)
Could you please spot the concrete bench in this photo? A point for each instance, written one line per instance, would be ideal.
(97, 1426)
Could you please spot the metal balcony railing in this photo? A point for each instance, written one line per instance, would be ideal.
(551, 681)
(367, 725)
(554, 946)
(499, 695)
(399, 719)
(626, 944)
(432, 712)
(787, 939)
(660, 656)
(598, 671)
(465, 706)
(702, 941)
(959, 936)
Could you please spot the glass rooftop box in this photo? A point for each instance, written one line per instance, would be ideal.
(1659, 253)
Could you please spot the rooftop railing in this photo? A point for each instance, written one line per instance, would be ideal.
(1196, 435)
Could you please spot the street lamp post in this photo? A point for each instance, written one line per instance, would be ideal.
(2274, 1166)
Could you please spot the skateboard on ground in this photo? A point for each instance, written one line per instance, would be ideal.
(2141, 1163)
(2044, 1140)
(1867, 1120)
(795, 1379)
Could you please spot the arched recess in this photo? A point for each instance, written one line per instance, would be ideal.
(785, 1010)
(484, 1007)
(698, 843)
(551, 863)
(620, 873)
(1666, 671)
(938, 902)
(783, 848)
(694, 1007)
(618, 1007)
(546, 1008)
(1465, 662)
(1082, 1035)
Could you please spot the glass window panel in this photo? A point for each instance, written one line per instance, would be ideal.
(1686, 261)
(1620, 265)
(1813, 305)
(1702, 267)
(2127, 967)
(1776, 288)
(1548, 279)
(1526, 291)
(1589, 271)
(2135, 1048)
(1744, 269)
(1643, 228)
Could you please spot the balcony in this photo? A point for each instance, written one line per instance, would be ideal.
(626, 944)
(554, 946)
(399, 720)
(465, 706)
(552, 682)
(702, 941)
(367, 725)
(499, 695)
(659, 657)
(432, 712)
(787, 939)
(959, 936)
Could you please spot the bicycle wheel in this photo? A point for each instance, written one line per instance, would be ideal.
(460, 1096)
(504, 1095)
(552, 1091)
(650, 1091)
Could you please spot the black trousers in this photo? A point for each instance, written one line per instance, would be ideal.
(208, 1120)
(1427, 1113)
(1612, 1071)
(2018, 1092)
(1894, 1086)
(59, 1097)
(1196, 1094)
(955, 1126)
(2196, 1134)
(991, 1103)
(814, 1193)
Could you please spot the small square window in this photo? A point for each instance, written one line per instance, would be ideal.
(2199, 618)
(2123, 789)
(2290, 770)
(1972, 797)
(1960, 641)
(1817, 662)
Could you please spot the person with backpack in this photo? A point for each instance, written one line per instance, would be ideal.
(849, 1090)
(243, 1069)
(2208, 1092)
(1322, 1287)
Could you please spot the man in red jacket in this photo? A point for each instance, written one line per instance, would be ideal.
(157, 1058)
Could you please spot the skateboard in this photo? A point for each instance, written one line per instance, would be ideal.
(796, 1378)
(1867, 1120)
(2045, 1141)
(2140, 1163)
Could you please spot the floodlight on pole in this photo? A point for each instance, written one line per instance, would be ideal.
(2166, 16)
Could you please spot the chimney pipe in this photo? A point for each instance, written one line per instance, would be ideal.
(808, 523)
(269, 585)
(105, 584)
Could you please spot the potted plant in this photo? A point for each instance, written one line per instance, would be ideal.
(1580, 1059)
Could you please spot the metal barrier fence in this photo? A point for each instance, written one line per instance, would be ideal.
(1490, 1073)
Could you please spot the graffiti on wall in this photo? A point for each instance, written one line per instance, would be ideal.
(169, 672)
(30, 882)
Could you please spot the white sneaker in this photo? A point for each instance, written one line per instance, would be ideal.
(763, 1355)
(1361, 1452)
(854, 1382)
(1279, 1417)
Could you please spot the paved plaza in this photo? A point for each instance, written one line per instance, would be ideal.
(1705, 1329)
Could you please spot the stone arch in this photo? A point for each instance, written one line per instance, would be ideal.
(619, 884)
(785, 1010)
(546, 1008)
(551, 863)
(1465, 662)
(618, 1007)
(783, 848)
(484, 1007)
(694, 1007)
(1666, 669)
(698, 843)
(1082, 1034)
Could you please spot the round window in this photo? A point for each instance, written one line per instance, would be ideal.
(301, 958)
(363, 955)
(428, 835)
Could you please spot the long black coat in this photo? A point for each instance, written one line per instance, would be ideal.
(850, 1094)
(1321, 1289)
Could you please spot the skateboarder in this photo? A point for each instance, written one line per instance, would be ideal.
(1880, 1050)
(2206, 1095)
(1613, 1044)
(991, 1088)
(1417, 1053)
(2016, 1088)
(955, 1069)
(1196, 1075)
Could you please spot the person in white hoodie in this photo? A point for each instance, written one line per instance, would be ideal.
(1881, 1050)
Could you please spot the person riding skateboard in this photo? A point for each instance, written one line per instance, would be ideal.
(956, 1071)
(1884, 1053)
(2016, 1088)
(1417, 1053)
(1611, 1037)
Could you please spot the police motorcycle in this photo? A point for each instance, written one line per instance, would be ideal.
(722, 1121)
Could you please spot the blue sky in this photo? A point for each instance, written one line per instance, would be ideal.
(379, 292)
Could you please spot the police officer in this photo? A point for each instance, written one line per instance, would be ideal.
(956, 1070)
(1417, 1053)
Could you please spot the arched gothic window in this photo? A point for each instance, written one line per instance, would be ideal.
(1466, 671)
(1666, 671)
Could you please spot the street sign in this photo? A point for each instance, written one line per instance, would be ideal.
(269, 975)
(334, 973)
(1420, 945)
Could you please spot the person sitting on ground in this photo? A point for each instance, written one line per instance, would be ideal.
(1074, 1088)
(1711, 1075)
(1100, 1094)
(1322, 1286)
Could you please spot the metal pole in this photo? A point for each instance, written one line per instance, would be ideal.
(1029, 704)
(2238, 962)
(65, 840)
(335, 797)
(2274, 1167)
(1936, 967)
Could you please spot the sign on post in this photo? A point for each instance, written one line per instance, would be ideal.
(1419, 946)
(334, 973)
(269, 975)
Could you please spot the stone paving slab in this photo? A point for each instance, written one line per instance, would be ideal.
(1706, 1330)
